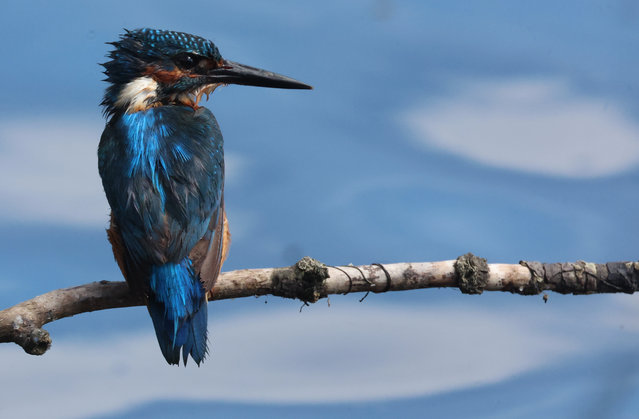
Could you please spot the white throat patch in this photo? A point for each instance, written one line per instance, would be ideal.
(138, 94)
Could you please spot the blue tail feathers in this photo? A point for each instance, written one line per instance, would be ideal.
(178, 307)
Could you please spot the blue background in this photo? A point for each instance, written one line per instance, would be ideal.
(345, 174)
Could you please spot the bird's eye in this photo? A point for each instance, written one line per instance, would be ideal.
(186, 60)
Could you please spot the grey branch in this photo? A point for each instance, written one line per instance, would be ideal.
(309, 280)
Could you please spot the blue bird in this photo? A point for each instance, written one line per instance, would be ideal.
(161, 159)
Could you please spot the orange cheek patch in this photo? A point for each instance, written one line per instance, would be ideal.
(165, 76)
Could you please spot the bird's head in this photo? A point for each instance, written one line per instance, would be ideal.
(150, 67)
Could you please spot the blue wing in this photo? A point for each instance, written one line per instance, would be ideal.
(165, 189)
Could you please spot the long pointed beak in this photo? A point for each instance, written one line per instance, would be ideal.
(236, 73)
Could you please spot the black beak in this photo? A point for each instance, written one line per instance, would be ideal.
(235, 73)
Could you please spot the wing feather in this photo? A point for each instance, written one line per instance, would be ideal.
(209, 253)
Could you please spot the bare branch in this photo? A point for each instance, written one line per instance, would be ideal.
(309, 280)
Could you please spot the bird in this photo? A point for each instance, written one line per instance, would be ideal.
(161, 161)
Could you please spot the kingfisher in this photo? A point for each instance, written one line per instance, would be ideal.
(161, 160)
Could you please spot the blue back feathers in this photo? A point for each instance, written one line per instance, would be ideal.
(162, 182)
(163, 172)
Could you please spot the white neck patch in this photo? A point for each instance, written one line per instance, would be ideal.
(138, 94)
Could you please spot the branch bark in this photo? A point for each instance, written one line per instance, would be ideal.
(309, 280)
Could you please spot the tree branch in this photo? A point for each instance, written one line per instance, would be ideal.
(309, 280)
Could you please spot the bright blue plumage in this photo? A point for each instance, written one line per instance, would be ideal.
(164, 186)
(161, 160)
